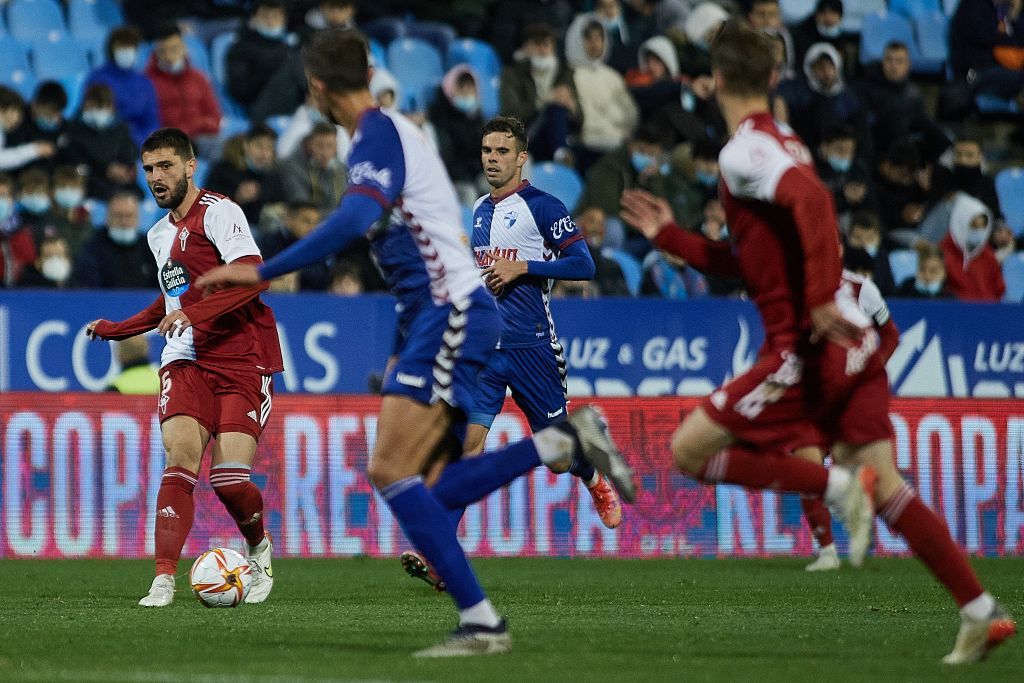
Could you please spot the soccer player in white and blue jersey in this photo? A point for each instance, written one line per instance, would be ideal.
(399, 195)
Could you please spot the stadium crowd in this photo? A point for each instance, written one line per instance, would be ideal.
(616, 95)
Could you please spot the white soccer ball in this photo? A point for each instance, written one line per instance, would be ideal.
(220, 577)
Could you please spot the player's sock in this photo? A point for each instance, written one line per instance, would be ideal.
(427, 525)
(584, 470)
(470, 479)
(482, 613)
(765, 472)
(241, 497)
(174, 512)
(928, 536)
(818, 519)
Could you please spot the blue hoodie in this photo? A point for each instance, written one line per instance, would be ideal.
(134, 98)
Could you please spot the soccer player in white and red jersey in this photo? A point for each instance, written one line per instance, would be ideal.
(820, 363)
(220, 353)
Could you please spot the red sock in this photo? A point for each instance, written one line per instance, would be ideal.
(928, 536)
(782, 473)
(241, 498)
(174, 513)
(818, 519)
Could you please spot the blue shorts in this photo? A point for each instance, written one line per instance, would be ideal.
(443, 351)
(536, 376)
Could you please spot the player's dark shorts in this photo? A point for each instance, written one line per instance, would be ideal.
(536, 376)
(221, 401)
(443, 351)
(786, 401)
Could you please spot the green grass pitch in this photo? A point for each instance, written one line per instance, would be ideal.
(572, 620)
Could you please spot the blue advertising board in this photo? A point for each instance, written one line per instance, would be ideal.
(615, 347)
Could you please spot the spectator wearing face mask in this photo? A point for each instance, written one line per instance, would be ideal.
(301, 123)
(823, 26)
(18, 156)
(844, 175)
(35, 203)
(17, 246)
(247, 172)
(101, 144)
(865, 233)
(972, 271)
(702, 185)
(44, 121)
(70, 216)
(185, 96)
(967, 175)
(313, 174)
(52, 268)
(930, 280)
(261, 48)
(458, 121)
(700, 28)
(134, 96)
(608, 277)
(117, 256)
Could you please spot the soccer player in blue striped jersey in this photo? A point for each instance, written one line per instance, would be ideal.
(399, 195)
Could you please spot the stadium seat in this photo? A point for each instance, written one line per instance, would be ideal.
(795, 11)
(854, 12)
(478, 54)
(490, 100)
(219, 47)
(198, 54)
(279, 123)
(231, 126)
(632, 271)
(58, 56)
(97, 211)
(89, 19)
(995, 106)
(915, 8)
(561, 181)
(1013, 275)
(467, 220)
(149, 212)
(29, 20)
(74, 86)
(1010, 188)
(881, 28)
(15, 71)
(437, 33)
(379, 54)
(931, 32)
(903, 264)
(417, 66)
(385, 30)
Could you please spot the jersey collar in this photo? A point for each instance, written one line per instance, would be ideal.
(502, 197)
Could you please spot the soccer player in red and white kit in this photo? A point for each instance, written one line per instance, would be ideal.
(220, 353)
(820, 364)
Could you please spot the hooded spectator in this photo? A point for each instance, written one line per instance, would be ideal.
(823, 26)
(972, 271)
(458, 120)
(930, 279)
(134, 95)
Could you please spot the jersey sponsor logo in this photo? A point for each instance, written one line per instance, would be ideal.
(510, 219)
(562, 226)
(365, 171)
(174, 278)
(252, 416)
(479, 222)
(165, 392)
(411, 380)
(237, 232)
(556, 413)
(182, 237)
(167, 512)
(486, 256)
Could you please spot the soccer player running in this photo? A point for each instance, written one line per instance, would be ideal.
(219, 355)
(820, 362)
(523, 239)
(400, 196)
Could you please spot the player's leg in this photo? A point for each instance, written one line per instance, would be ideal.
(244, 405)
(185, 434)
(818, 518)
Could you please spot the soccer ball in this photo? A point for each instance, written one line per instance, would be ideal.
(220, 577)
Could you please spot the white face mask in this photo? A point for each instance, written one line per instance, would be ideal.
(56, 268)
(123, 236)
(543, 64)
(174, 67)
(975, 238)
(125, 57)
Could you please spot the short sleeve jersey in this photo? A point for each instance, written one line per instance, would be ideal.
(212, 233)
(526, 225)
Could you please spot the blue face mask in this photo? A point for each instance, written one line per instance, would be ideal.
(98, 118)
(46, 124)
(931, 288)
(6, 208)
(68, 197)
(829, 31)
(839, 164)
(269, 33)
(640, 161)
(35, 203)
(467, 104)
(123, 236)
(706, 179)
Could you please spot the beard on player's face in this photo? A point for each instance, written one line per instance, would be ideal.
(174, 196)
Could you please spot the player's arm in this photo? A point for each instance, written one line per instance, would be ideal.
(573, 263)
(873, 304)
(652, 217)
(143, 321)
(889, 336)
(556, 227)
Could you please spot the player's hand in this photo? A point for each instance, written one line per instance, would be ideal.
(175, 322)
(503, 272)
(645, 212)
(90, 329)
(231, 275)
(828, 323)
(248, 191)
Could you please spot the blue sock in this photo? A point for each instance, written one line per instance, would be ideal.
(427, 526)
(470, 479)
(582, 468)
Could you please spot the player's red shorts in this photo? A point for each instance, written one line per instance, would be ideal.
(787, 400)
(221, 402)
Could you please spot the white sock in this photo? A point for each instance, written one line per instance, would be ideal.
(553, 445)
(839, 479)
(259, 547)
(482, 614)
(979, 608)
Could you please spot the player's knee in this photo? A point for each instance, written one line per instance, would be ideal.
(383, 472)
(182, 453)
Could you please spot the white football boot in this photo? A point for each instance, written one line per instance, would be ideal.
(470, 640)
(262, 571)
(161, 593)
(857, 510)
(828, 560)
(977, 637)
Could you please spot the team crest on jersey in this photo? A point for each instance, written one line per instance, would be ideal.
(510, 219)
(174, 278)
(182, 236)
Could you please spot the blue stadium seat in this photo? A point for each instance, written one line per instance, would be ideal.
(881, 28)
(280, 123)
(1013, 275)
(949, 7)
(993, 105)
(932, 34)
(58, 56)
(467, 220)
(437, 33)
(219, 47)
(203, 172)
(490, 99)
(385, 29)
(89, 19)
(795, 11)
(233, 125)
(74, 86)
(15, 71)
(198, 54)
(97, 211)
(1010, 188)
(417, 66)
(561, 181)
(632, 271)
(915, 8)
(903, 264)
(854, 12)
(478, 54)
(149, 212)
(30, 20)
(378, 53)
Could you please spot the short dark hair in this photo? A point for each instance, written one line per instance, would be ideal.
(10, 99)
(824, 5)
(865, 219)
(339, 57)
(744, 57)
(123, 194)
(51, 94)
(838, 131)
(509, 125)
(896, 45)
(98, 93)
(169, 138)
(538, 33)
(321, 128)
(6, 181)
(260, 130)
(166, 30)
(33, 177)
(654, 134)
(66, 175)
(122, 35)
(968, 138)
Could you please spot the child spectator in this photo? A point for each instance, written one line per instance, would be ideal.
(134, 96)
(840, 170)
(866, 233)
(930, 280)
(972, 271)
(457, 120)
(102, 144)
